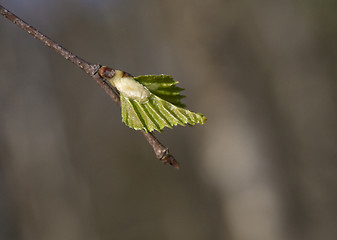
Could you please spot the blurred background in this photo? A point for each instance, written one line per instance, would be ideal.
(263, 167)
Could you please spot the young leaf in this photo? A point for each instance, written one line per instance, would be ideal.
(151, 102)
(156, 113)
(162, 86)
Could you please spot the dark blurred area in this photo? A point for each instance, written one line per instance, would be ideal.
(264, 166)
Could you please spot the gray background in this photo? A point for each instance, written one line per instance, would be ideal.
(263, 167)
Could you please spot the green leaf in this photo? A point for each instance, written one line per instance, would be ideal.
(156, 113)
(162, 86)
(152, 102)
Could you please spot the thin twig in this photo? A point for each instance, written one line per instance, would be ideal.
(160, 150)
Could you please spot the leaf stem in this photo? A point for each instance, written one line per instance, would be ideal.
(92, 70)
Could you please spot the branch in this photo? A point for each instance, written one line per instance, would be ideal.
(162, 153)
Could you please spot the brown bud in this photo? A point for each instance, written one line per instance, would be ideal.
(106, 72)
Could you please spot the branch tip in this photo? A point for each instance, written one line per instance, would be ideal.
(169, 159)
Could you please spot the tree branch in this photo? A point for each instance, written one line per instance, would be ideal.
(162, 153)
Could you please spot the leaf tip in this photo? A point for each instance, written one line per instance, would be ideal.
(203, 119)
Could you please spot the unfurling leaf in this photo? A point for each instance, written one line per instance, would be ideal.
(152, 102)
(162, 86)
(155, 114)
